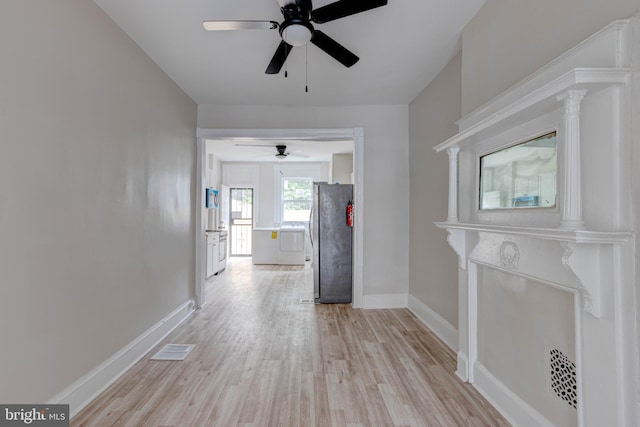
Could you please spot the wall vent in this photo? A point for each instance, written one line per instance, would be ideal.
(563, 378)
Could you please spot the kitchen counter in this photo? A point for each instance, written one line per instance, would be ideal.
(278, 245)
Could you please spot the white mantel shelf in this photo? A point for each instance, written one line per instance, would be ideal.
(522, 104)
(557, 234)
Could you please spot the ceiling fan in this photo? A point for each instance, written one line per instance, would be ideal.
(297, 28)
(281, 151)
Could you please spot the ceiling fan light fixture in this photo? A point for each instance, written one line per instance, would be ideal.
(282, 152)
(296, 32)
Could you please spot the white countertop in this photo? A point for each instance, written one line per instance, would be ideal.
(271, 229)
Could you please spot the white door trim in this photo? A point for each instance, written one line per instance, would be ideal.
(356, 134)
(200, 239)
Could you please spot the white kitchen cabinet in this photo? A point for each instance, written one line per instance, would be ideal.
(265, 246)
(213, 240)
(291, 250)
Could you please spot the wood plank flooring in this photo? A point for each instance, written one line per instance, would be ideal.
(262, 358)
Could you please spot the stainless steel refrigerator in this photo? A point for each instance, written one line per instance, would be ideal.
(332, 243)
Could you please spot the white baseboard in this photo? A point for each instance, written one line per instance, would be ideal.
(514, 409)
(384, 301)
(463, 366)
(84, 390)
(436, 323)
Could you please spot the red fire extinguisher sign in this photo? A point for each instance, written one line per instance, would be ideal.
(350, 214)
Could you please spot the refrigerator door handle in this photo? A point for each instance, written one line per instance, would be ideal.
(311, 226)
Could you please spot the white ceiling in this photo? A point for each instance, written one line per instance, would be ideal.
(401, 46)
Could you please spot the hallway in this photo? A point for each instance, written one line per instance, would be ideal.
(264, 358)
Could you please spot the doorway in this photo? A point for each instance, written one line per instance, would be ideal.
(240, 221)
(355, 134)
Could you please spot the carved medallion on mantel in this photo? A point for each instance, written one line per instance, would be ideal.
(509, 255)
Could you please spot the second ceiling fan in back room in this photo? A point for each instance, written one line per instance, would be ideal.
(281, 150)
(297, 28)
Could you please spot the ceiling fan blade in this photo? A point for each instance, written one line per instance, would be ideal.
(343, 8)
(239, 25)
(279, 58)
(302, 156)
(333, 48)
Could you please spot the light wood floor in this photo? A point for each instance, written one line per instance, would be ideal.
(264, 359)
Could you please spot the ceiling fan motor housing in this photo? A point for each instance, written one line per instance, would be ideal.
(297, 30)
(282, 151)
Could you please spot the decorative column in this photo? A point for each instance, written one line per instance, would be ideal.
(572, 197)
(453, 184)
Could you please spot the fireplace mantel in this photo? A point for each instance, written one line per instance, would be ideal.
(519, 105)
(583, 251)
(583, 247)
(573, 236)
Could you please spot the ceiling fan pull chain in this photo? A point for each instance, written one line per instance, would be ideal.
(286, 57)
(306, 68)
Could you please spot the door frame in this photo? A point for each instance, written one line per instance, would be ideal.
(355, 134)
(230, 222)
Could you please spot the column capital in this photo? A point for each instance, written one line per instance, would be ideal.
(572, 99)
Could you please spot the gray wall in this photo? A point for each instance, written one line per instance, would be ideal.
(432, 263)
(509, 39)
(96, 184)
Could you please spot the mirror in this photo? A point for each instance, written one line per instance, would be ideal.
(521, 176)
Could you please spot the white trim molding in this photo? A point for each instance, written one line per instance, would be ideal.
(516, 411)
(356, 134)
(436, 323)
(88, 387)
(584, 247)
(380, 301)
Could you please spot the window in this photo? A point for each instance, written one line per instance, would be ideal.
(297, 198)
(521, 176)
